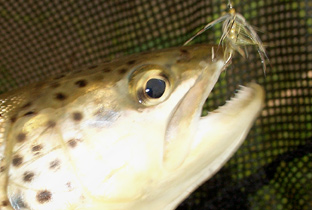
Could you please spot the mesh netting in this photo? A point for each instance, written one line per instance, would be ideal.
(273, 168)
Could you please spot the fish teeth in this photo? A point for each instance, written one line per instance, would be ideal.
(243, 96)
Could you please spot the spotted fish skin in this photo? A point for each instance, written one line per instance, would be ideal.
(96, 139)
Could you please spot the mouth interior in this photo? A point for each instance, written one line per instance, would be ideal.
(184, 120)
(245, 104)
(217, 137)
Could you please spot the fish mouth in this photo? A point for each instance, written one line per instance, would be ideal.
(185, 116)
(186, 128)
(216, 138)
(236, 116)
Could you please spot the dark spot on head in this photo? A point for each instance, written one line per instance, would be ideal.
(13, 119)
(59, 76)
(184, 56)
(26, 105)
(60, 96)
(107, 70)
(54, 85)
(28, 176)
(92, 67)
(69, 185)
(21, 137)
(51, 124)
(131, 62)
(17, 160)
(55, 164)
(29, 113)
(2, 168)
(122, 71)
(81, 83)
(184, 51)
(77, 116)
(44, 196)
(36, 149)
(5, 203)
(72, 143)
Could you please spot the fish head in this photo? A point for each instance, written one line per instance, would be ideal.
(146, 122)
(177, 149)
(125, 135)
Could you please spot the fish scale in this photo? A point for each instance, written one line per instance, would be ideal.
(43, 148)
(95, 139)
(55, 144)
(43, 143)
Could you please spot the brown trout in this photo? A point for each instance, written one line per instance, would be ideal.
(123, 135)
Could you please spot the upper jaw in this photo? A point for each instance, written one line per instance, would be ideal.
(233, 119)
(183, 123)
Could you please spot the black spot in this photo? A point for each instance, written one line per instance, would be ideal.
(44, 196)
(2, 168)
(77, 116)
(21, 137)
(183, 51)
(60, 96)
(122, 71)
(107, 70)
(5, 203)
(17, 160)
(13, 119)
(55, 85)
(131, 62)
(69, 185)
(28, 176)
(184, 56)
(26, 105)
(29, 113)
(92, 67)
(81, 83)
(72, 143)
(51, 124)
(36, 149)
(55, 164)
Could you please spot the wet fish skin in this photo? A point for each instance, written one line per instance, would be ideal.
(96, 139)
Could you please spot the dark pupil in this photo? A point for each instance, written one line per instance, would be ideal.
(155, 88)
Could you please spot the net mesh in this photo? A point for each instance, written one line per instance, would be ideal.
(273, 168)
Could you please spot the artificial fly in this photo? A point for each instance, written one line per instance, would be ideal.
(237, 33)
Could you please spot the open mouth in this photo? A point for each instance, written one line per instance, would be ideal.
(239, 112)
(213, 140)
(186, 115)
(186, 124)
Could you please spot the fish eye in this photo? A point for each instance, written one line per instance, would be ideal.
(155, 88)
(150, 84)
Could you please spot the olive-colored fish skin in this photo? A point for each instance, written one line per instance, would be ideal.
(96, 139)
